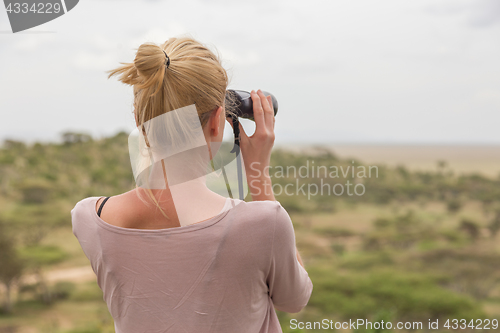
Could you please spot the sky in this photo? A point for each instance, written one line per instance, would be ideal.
(343, 71)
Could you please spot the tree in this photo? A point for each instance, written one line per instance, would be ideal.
(38, 257)
(30, 224)
(11, 265)
(495, 224)
(35, 191)
(73, 137)
(454, 205)
(470, 227)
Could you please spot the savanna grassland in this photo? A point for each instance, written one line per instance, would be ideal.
(416, 245)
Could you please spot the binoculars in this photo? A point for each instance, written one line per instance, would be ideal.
(244, 105)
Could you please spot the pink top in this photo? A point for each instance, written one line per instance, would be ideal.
(221, 275)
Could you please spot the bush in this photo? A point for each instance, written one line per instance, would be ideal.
(494, 225)
(338, 248)
(89, 292)
(469, 270)
(42, 255)
(471, 228)
(334, 232)
(399, 232)
(409, 296)
(35, 191)
(454, 205)
(62, 290)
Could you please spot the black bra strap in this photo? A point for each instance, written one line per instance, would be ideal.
(100, 207)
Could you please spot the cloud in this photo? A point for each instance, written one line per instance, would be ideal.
(95, 61)
(32, 42)
(488, 96)
(341, 70)
(249, 58)
(485, 13)
(476, 13)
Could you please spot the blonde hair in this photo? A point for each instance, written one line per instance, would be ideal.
(193, 75)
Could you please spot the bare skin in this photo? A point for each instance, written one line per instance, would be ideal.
(128, 211)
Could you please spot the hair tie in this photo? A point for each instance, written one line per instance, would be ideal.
(167, 62)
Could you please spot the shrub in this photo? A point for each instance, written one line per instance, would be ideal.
(454, 205)
(471, 228)
(89, 292)
(410, 296)
(62, 290)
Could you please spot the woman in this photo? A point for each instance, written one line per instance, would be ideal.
(232, 262)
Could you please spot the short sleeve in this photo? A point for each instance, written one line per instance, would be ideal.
(289, 284)
(85, 230)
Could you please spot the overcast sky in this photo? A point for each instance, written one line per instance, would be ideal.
(371, 71)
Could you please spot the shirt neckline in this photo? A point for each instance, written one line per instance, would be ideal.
(188, 228)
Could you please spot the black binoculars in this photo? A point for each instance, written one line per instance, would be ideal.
(244, 105)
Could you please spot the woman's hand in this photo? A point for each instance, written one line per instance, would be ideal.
(256, 149)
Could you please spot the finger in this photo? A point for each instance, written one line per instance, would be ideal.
(270, 100)
(258, 112)
(265, 102)
(268, 110)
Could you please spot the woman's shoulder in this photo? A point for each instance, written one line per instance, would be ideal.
(82, 205)
(261, 207)
(261, 211)
(82, 214)
(84, 210)
(89, 205)
(260, 220)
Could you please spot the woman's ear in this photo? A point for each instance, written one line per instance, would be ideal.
(215, 122)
